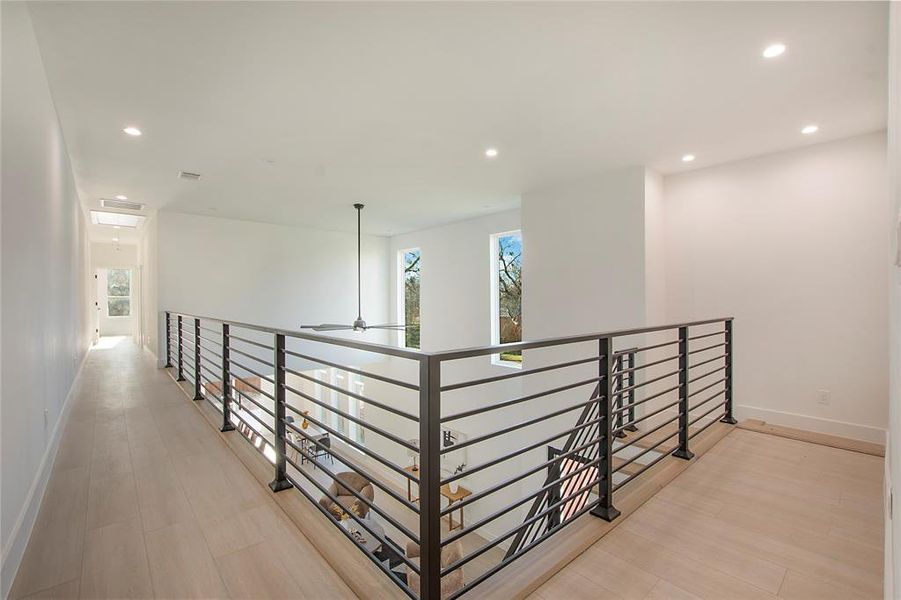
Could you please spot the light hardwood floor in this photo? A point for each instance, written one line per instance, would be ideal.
(145, 501)
(758, 516)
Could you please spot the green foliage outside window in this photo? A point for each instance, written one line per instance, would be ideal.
(412, 265)
(118, 291)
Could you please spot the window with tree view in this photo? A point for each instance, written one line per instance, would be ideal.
(508, 299)
(118, 292)
(411, 263)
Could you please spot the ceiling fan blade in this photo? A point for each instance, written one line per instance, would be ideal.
(387, 326)
(327, 327)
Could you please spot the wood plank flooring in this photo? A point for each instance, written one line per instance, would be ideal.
(146, 501)
(758, 516)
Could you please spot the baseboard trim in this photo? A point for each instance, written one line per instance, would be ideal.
(14, 549)
(823, 439)
(852, 431)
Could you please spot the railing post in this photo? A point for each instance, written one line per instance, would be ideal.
(430, 478)
(629, 383)
(604, 508)
(281, 480)
(682, 451)
(620, 398)
(197, 394)
(729, 417)
(226, 383)
(181, 374)
(168, 340)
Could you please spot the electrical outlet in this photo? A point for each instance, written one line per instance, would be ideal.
(825, 397)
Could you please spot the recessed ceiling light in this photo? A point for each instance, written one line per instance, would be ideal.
(808, 129)
(491, 152)
(688, 158)
(773, 50)
(132, 131)
(121, 197)
(115, 239)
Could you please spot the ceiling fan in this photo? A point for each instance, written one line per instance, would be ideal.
(359, 324)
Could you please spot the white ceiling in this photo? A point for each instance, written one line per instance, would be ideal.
(294, 111)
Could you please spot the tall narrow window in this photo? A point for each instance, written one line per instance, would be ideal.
(118, 292)
(410, 264)
(506, 274)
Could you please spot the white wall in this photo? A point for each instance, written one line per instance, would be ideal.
(148, 261)
(268, 274)
(44, 284)
(793, 246)
(892, 457)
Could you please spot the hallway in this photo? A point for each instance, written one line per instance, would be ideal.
(145, 501)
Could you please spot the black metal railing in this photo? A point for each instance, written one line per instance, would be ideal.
(540, 446)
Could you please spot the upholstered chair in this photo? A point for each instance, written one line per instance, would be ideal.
(340, 489)
(449, 555)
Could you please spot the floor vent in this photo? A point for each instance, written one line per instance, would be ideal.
(188, 175)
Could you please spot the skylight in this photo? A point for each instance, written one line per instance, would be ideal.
(99, 217)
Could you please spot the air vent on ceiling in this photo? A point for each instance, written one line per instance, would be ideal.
(188, 175)
(121, 204)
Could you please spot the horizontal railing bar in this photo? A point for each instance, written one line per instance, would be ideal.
(705, 348)
(403, 384)
(361, 422)
(499, 486)
(211, 384)
(211, 362)
(249, 370)
(370, 503)
(210, 371)
(520, 425)
(347, 533)
(642, 470)
(645, 348)
(455, 354)
(632, 405)
(501, 348)
(703, 402)
(232, 336)
(210, 351)
(644, 417)
(253, 401)
(714, 422)
(653, 448)
(210, 329)
(251, 356)
(531, 546)
(352, 443)
(709, 360)
(217, 342)
(706, 335)
(488, 546)
(368, 401)
(521, 373)
(644, 383)
(186, 342)
(480, 410)
(715, 407)
(457, 534)
(237, 415)
(646, 365)
(638, 438)
(255, 418)
(707, 374)
(706, 387)
(250, 385)
(384, 487)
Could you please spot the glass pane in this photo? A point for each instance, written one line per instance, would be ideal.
(509, 272)
(118, 282)
(412, 265)
(119, 307)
